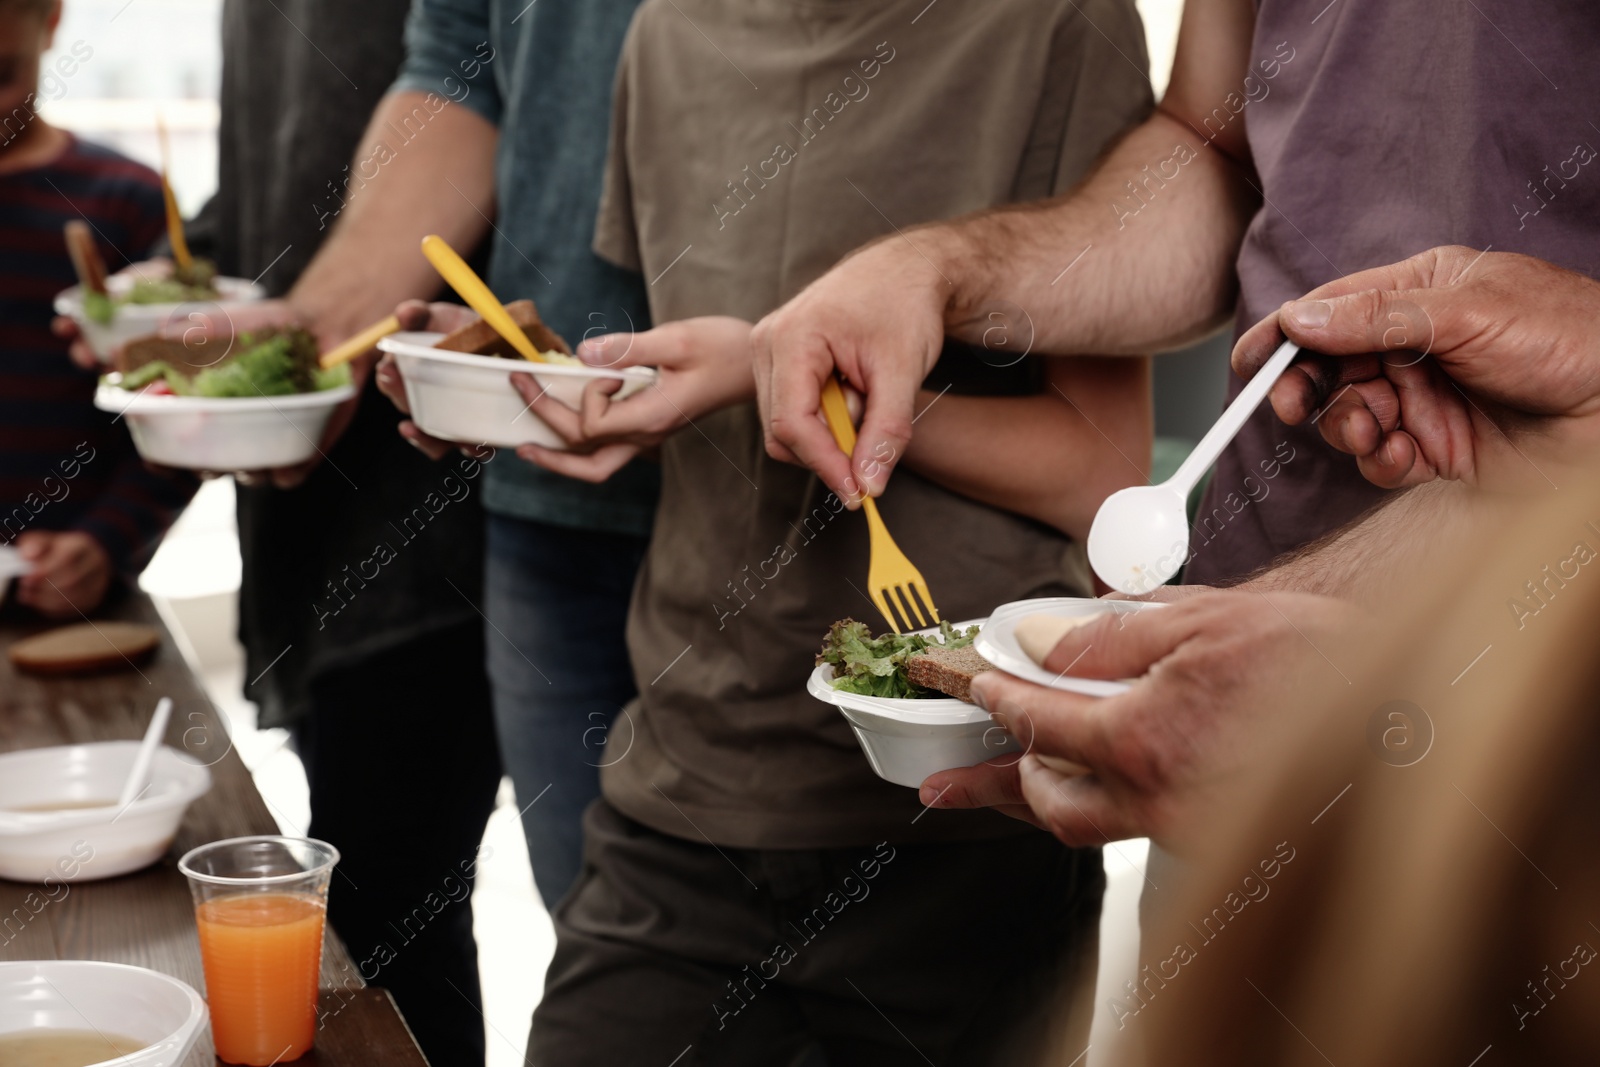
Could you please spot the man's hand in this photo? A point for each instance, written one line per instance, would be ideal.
(70, 575)
(704, 365)
(1453, 364)
(878, 320)
(1217, 676)
(419, 315)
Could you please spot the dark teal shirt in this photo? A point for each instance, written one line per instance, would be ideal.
(542, 72)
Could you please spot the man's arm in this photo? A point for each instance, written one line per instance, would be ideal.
(1367, 560)
(1136, 259)
(442, 181)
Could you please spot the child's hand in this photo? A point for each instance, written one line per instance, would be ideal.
(65, 328)
(704, 365)
(71, 573)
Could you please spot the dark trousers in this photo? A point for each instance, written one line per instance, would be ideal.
(673, 951)
(400, 755)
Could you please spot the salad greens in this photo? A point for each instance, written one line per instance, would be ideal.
(99, 307)
(875, 666)
(276, 363)
(195, 284)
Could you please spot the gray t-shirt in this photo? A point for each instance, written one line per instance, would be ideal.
(1390, 127)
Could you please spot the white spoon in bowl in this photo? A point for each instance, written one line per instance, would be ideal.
(1140, 536)
(147, 753)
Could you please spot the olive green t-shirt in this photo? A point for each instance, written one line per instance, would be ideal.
(754, 143)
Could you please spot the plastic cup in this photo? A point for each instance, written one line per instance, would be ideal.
(260, 905)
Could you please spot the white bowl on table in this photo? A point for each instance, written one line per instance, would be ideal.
(84, 844)
(224, 433)
(113, 998)
(132, 321)
(458, 396)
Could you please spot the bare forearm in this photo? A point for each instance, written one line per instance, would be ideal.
(440, 180)
(1053, 457)
(1367, 561)
(1111, 267)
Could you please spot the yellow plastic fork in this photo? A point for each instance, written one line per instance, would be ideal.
(892, 582)
(471, 288)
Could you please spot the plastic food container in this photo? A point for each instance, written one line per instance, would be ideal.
(112, 998)
(997, 641)
(224, 433)
(84, 844)
(461, 397)
(907, 740)
(12, 565)
(141, 320)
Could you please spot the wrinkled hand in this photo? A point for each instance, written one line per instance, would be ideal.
(1218, 674)
(70, 575)
(878, 320)
(704, 365)
(419, 315)
(1452, 364)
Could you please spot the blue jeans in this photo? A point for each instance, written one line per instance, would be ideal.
(556, 603)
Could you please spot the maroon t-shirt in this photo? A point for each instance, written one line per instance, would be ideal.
(1391, 128)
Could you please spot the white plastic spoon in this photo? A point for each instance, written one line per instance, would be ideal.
(1140, 535)
(147, 752)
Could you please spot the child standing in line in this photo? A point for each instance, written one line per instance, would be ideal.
(75, 499)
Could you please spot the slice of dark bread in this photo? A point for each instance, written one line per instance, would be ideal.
(479, 338)
(949, 670)
(187, 359)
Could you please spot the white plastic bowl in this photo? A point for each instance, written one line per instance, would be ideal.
(87, 844)
(224, 433)
(114, 998)
(132, 321)
(461, 397)
(997, 640)
(907, 740)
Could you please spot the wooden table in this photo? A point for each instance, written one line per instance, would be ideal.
(147, 918)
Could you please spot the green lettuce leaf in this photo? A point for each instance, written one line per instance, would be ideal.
(875, 666)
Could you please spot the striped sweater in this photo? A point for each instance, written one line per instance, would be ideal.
(63, 464)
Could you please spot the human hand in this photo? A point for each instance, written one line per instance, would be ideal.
(704, 365)
(1501, 371)
(70, 575)
(420, 315)
(229, 324)
(878, 320)
(78, 349)
(1215, 673)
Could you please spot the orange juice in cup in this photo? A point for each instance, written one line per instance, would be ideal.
(259, 905)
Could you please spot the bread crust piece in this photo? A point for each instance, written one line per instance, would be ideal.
(480, 339)
(948, 670)
(85, 648)
(186, 357)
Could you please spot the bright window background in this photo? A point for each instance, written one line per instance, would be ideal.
(147, 58)
(162, 58)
